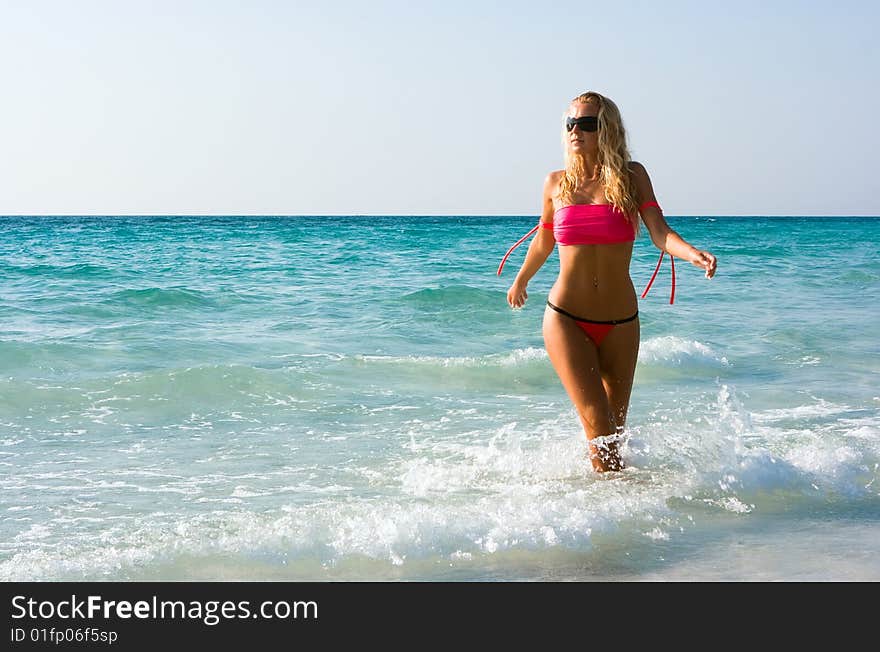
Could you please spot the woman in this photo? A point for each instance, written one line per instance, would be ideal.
(591, 325)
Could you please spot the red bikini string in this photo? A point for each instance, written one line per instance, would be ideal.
(518, 243)
(654, 275)
(657, 269)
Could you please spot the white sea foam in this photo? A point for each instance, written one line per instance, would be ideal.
(511, 359)
(509, 493)
(657, 534)
(244, 492)
(327, 356)
(165, 489)
(670, 349)
(519, 485)
(821, 408)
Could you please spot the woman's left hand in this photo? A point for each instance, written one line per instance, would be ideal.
(705, 260)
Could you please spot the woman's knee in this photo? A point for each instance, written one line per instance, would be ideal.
(597, 419)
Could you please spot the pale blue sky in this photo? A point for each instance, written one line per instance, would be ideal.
(430, 108)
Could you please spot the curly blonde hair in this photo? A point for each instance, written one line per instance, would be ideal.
(614, 159)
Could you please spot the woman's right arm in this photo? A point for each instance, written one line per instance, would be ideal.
(539, 249)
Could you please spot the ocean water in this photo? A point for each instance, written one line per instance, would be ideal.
(350, 398)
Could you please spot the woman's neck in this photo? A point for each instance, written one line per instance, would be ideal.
(590, 163)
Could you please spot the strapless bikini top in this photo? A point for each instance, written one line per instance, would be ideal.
(582, 224)
(588, 224)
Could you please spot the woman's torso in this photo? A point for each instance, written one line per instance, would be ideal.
(594, 279)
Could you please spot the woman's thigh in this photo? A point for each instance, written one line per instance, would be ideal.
(618, 356)
(577, 363)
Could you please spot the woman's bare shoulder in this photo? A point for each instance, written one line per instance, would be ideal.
(553, 178)
(637, 169)
(551, 183)
(640, 176)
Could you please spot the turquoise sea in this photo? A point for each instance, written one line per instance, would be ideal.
(351, 398)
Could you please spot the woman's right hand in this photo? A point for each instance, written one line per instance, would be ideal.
(705, 260)
(517, 295)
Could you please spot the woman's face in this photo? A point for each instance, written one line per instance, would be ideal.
(580, 141)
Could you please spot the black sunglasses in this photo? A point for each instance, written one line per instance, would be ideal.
(587, 123)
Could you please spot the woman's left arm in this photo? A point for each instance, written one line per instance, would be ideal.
(662, 235)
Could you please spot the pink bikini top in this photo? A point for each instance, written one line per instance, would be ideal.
(583, 224)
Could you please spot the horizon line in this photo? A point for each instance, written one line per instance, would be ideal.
(739, 215)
